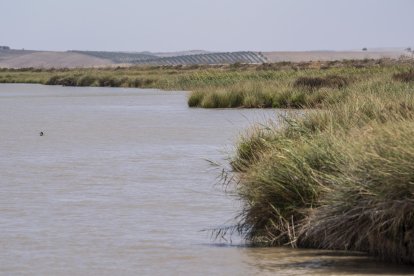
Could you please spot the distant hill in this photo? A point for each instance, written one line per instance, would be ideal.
(178, 58)
(73, 59)
(6, 54)
(42, 59)
(10, 58)
(119, 57)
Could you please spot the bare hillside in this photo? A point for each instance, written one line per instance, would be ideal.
(11, 59)
(74, 59)
(8, 54)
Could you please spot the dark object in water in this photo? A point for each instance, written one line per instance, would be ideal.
(41, 133)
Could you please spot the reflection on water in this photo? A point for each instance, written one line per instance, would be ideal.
(285, 261)
(118, 183)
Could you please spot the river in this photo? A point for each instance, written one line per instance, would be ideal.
(119, 184)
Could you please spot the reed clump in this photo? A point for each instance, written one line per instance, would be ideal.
(246, 94)
(98, 80)
(337, 178)
(370, 203)
(254, 95)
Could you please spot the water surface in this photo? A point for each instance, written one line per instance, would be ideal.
(119, 184)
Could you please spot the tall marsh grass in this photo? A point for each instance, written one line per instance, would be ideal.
(370, 202)
(341, 177)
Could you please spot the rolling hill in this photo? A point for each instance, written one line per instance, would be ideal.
(10, 58)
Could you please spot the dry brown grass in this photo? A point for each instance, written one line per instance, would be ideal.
(405, 76)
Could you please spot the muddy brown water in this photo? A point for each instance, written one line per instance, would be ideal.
(119, 184)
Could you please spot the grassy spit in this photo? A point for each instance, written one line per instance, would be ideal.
(341, 177)
(279, 85)
(337, 177)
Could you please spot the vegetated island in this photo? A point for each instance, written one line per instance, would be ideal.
(340, 176)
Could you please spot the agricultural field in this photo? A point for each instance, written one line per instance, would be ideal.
(118, 57)
(209, 58)
(186, 58)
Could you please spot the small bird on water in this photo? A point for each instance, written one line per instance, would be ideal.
(41, 133)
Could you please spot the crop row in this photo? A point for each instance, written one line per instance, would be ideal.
(210, 58)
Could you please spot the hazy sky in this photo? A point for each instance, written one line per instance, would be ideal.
(220, 25)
